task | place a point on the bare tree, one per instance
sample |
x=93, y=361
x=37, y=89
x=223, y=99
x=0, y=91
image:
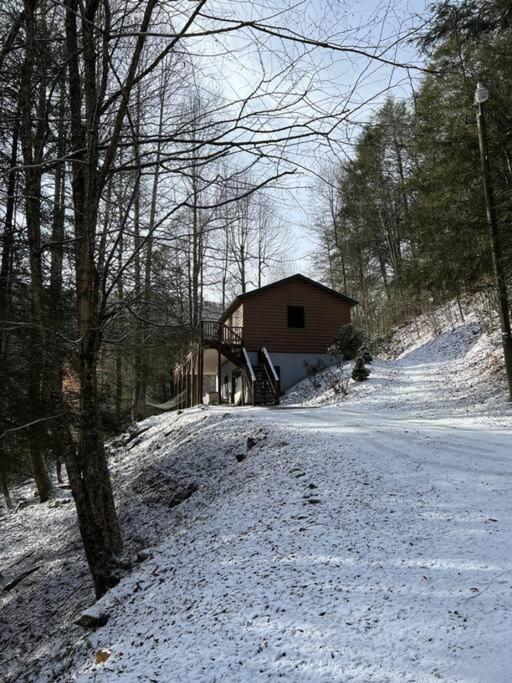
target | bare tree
x=205, y=166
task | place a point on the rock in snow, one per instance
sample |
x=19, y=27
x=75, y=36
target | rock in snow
x=92, y=617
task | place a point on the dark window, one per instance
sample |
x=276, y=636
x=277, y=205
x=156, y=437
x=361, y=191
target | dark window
x=296, y=316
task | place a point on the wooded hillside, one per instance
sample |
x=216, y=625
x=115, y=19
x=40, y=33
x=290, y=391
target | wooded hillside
x=402, y=223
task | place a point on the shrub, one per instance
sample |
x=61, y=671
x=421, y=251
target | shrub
x=382, y=343
x=337, y=357
x=359, y=372
x=366, y=355
x=313, y=370
x=347, y=342
x=336, y=382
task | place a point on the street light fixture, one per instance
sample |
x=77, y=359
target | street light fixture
x=481, y=96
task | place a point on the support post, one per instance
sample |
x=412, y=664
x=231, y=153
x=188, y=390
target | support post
x=201, y=375
x=187, y=384
x=496, y=248
x=219, y=375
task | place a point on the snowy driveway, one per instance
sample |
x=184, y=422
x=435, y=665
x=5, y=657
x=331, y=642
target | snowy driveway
x=369, y=541
x=431, y=538
x=350, y=545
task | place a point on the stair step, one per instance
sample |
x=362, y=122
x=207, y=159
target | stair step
x=264, y=391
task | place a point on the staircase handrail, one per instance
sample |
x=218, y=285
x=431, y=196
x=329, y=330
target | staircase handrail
x=272, y=374
x=270, y=364
x=251, y=377
x=248, y=364
x=234, y=334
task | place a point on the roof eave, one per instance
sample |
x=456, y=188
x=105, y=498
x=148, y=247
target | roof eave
x=238, y=300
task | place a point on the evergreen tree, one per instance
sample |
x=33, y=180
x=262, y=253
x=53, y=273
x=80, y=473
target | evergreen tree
x=359, y=371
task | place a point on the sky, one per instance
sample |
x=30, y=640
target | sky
x=299, y=206
x=336, y=81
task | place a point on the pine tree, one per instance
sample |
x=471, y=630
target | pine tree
x=359, y=371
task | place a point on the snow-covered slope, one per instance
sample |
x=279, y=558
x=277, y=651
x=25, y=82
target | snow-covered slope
x=442, y=363
x=365, y=541
x=170, y=455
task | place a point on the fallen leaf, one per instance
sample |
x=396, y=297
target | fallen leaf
x=102, y=655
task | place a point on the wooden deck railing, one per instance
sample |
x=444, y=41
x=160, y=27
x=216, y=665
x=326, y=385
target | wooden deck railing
x=217, y=331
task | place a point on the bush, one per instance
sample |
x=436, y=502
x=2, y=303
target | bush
x=366, y=355
x=337, y=357
x=383, y=343
x=319, y=373
x=336, y=382
x=313, y=370
x=347, y=342
x=359, y=372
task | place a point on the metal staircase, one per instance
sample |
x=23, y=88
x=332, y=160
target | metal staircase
x=264, y=391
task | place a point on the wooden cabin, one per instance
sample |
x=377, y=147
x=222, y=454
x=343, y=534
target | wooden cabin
x=262, y=342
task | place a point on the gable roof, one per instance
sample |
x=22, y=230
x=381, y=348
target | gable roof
x=302, y=278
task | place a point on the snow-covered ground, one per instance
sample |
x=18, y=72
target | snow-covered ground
x=458, y=370
x=359, y=539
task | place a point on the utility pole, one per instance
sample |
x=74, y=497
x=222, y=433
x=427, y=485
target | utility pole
x=481, y=96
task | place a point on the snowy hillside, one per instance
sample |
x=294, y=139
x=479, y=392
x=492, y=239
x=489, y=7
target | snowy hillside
x=365, y=541
x=436, y=360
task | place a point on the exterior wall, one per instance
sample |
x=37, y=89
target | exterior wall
x=253, y=357
x=266, y=324
x=227, y=369
x=237, y=317
x=291, y=366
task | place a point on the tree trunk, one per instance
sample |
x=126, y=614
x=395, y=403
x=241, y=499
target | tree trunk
x=4, y=483
x=5, y=296
x=87, y=469
x=31, y=147
x=141, y=376
x=44, y=484
x=53, y=386
x=139, y=388
x=119, y=357
x=243, y=284
x=119, y=386
x=8, y=236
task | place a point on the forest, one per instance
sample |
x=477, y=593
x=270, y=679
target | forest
x=401, y=223
x=141, y=189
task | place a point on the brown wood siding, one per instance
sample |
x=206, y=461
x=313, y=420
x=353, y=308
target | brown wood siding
x=266, y=321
